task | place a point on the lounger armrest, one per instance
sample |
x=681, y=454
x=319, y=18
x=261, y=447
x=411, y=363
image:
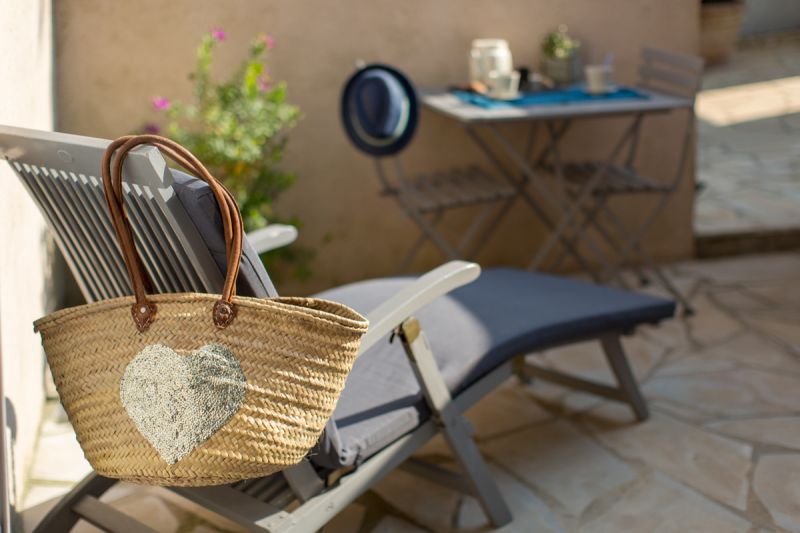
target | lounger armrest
x=423, y=291
x=272, y=237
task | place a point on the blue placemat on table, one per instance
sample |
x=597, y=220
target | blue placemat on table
x=558, y=96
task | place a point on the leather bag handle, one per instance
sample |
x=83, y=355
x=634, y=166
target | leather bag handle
x=144, y=311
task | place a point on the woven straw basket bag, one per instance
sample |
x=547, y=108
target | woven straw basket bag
x=196, y=389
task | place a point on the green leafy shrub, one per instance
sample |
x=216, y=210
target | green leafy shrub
x=559, y=44
x=238, y=128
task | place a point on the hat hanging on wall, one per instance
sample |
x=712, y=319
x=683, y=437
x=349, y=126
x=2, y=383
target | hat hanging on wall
x=379, y=110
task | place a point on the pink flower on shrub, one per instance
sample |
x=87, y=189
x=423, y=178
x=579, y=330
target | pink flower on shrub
x=152, y=128
x=264, y=83
x=160, y=103
x=268, y=41
x=218, y=34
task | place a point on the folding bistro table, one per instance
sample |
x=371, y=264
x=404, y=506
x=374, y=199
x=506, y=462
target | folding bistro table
x=576, y=206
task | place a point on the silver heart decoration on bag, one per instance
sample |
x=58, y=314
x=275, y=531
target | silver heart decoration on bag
x=179, y=401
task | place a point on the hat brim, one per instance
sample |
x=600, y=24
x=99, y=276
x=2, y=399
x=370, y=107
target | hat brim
x=406, y=125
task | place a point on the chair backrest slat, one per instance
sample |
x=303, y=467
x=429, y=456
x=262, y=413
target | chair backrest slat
x=61, y=173
x=668, y=77
x=672, y=73
x=144, y=200
x=178, y=261
x=50, y=181
x=188, y=276
x=34, y=179
x=147, y=242
x=686, y=62
x=88, y=188
x=152, y=173
x=92, y=238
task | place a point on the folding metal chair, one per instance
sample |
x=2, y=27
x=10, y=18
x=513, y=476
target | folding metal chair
x=379, y=112
x=591, y=184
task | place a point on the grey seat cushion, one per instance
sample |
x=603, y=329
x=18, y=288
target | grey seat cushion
x=201, y=206
x=472, y=330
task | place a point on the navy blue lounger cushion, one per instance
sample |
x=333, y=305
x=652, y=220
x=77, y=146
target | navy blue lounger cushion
x=473, y=330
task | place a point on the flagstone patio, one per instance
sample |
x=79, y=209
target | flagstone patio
x=721, y=451
x=749, y=147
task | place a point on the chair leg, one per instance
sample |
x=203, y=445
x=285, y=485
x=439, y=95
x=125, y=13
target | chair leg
x=455, y=428
x=687, y=309
x=617, y=360
x=518, y=367
x=520, y=184
x=570, y=214
x=590, y=213
x=478, y=475
x=614, y=245
x=429, y=229
x=422, y=239
x=489, y=228
x=636, y=246
x=62, y=518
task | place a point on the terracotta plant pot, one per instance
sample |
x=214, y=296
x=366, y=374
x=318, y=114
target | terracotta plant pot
x=719, y=30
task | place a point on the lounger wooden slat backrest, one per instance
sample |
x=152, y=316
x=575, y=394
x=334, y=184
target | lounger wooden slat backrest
x=63, y=181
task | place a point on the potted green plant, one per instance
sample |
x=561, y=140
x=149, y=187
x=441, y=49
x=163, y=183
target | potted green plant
x=561, y=59
x=720, y=22
x=238, y=128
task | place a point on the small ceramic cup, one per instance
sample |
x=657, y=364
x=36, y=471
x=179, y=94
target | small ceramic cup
x=599, y=78
x=503, y=85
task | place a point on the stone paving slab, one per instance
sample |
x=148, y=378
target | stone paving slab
x=748, y=156
x=777, y=484
x=712, y=465
x=781, y=430
x=660, y=504
x=561, y=463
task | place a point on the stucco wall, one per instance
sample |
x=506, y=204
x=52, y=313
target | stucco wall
x=25, y=292
x=112, y=56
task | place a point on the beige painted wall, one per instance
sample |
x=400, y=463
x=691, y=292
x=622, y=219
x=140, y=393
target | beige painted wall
x=112, y=56
x=25, y=292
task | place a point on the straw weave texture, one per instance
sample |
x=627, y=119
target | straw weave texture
x=295, y=353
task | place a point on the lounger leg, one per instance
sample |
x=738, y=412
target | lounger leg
x=62, y=518
x=303, y=480
x=452, y=424
x=618, y=362
x=518, y=367
x=479, y=476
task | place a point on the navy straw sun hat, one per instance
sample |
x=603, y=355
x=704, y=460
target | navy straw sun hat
x=379, y=110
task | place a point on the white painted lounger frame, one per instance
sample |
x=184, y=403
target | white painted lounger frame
x=60, y=170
